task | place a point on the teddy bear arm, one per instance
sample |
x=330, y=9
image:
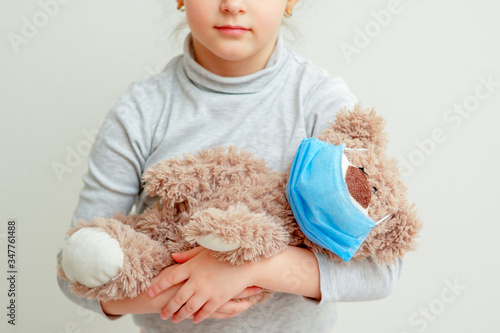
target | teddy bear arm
x=106, y=259
x=237, y=235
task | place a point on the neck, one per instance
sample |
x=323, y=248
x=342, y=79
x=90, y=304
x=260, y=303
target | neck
x=232, y=68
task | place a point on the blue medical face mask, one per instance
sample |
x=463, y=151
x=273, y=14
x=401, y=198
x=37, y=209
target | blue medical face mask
x=320, y=200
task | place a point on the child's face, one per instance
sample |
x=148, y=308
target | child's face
x=235, y=30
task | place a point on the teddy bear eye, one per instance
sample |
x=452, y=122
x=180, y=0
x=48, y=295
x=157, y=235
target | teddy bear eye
x=363, y=170
x=374, y=191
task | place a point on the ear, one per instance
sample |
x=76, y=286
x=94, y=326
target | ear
x=360, y=127
x=291, y=4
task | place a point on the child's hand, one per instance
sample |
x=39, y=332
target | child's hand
x=209, y=284
x=231, y=308
x=143, y=303
x=235, y=308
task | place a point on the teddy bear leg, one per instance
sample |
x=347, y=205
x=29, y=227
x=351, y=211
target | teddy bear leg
x=106, y=259
x=237, y=235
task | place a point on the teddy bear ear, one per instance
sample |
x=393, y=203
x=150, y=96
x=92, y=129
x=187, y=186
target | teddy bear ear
x=398, y=235
x=154, y=179
x=360, y=128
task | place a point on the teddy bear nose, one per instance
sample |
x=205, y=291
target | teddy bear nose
x=358, y=186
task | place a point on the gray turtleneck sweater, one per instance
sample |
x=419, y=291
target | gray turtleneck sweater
x=186, y=108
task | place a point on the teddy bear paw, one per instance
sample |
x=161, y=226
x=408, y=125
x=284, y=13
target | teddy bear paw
x=91, y=257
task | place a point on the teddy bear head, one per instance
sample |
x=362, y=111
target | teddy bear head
x=374, y=182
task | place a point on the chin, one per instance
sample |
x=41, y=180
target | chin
x=234, y=56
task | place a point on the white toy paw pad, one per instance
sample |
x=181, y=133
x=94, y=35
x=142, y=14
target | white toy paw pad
x=217, y=243
x=91, y=257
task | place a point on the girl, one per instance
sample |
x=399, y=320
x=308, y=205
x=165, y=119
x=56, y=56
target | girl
x=235, y=84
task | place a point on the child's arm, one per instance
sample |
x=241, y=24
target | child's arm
x=210, y=283
x=295, y=270
x=143, y=304
x=314, y=275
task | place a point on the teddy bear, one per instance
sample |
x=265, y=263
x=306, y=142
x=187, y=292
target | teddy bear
x=229, y=201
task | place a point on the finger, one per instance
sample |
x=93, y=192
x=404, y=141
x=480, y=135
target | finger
x=170, y=279
x=182, y=257
x=233, y=308
x=163, y=273
x=249, y=291
x=221, y=315
x=209, y=308
x=181, y=297
x=192, y=305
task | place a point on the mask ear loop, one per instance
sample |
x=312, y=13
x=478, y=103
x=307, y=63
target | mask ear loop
x=359, y=149
x=355, y=149
x=385, y=218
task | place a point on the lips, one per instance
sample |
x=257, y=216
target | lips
x=232, y=29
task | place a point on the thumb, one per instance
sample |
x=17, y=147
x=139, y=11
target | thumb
x=181, y=257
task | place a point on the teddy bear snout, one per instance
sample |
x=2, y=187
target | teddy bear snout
x=358, y=186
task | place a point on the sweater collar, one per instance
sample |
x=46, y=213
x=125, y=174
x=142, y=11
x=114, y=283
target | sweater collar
x=247, y=84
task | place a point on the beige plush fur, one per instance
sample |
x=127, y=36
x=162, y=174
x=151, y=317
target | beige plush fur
x=229, y=193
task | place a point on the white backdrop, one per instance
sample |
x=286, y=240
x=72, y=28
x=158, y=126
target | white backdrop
x=430, y=67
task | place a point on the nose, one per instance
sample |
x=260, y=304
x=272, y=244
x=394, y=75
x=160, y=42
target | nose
x=233, y=6
x=358, y=186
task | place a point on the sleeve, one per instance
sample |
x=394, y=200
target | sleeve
x=115, y=166
x=326, y=97
x=363, y=280
x=359, y=280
